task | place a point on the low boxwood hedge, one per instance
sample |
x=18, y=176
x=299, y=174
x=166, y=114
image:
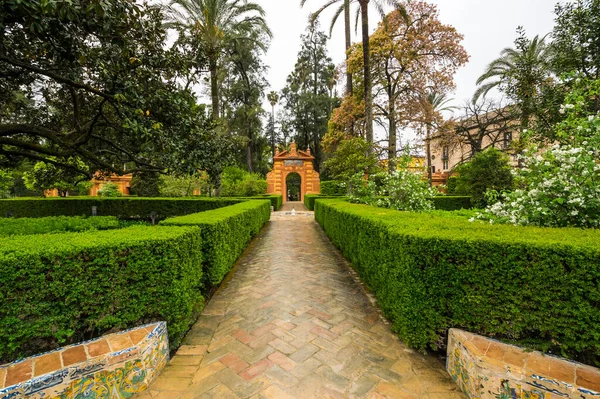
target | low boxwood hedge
x=123, y=207
x=309, y=199
x=276, y=199
x=55, y=224
x=226, y=233
x=538, y=287
x=59, y=289
x=452, y=203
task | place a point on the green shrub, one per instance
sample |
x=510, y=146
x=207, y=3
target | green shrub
x=333, y=187
x=55, y=224
x=236, y=182
x=123, y=208
x=452, y=203
x=109, y=190
x=309, y=199
x=225, y=233
x=58, y=289
x=538, y=287
x=488, y=170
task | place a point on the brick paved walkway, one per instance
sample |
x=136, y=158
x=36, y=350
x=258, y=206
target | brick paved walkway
x=297, y=205
x=293, y=323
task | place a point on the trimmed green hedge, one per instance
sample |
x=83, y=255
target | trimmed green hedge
x=333, y=188
x=55, y=224
x=309, y=199
x=276, y=199
x=123, y=207
x=59, y=289
x=538, y=287
x=226, y=232
x=452, y=203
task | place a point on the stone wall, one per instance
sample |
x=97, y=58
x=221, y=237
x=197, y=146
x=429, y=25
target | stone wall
x=488, y=369
x=113, y=366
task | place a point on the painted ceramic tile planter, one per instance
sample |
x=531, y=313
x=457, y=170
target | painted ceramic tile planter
x=113, y=366
x=487, y=369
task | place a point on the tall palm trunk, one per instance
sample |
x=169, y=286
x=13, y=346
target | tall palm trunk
x=392, y=126
x=348, y=44
x=214, y=87
x=364, y=10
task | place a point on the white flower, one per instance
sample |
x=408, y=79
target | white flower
x=569, y=106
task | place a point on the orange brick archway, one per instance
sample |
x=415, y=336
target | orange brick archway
x=293, y=161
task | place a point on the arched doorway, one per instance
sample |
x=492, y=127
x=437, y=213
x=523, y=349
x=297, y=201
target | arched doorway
x=297, y=162
x=293, y=184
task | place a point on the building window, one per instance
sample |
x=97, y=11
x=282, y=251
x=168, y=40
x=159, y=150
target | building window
x=507, y=139
x=446, y=164
x=445, y=152
x=432, y=168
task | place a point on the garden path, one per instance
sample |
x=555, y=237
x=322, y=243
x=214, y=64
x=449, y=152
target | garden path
x=291, y=321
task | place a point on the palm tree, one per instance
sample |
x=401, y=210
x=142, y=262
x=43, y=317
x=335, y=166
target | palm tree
x=433, y=104
x=363, y=12
x=214, y=23
x=273, y=98
x=523, y=69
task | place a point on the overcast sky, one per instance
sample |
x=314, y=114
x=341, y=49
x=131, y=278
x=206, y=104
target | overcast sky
x=488, y=26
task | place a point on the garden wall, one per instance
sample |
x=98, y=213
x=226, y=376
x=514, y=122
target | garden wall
x=116, y=366
x=488, y=369
x=536, y=286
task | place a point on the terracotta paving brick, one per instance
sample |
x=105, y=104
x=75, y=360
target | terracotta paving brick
x=292, y=322
x=234, y=362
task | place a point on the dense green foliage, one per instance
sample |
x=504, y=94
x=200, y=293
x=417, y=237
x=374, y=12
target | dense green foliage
x=236, y=182
x=123, y=207
x=276, y=199
x=59, y=289
x=100, y=81
x=55, y=224
x=488, y=170
x=451, y=202
x=225, y=233
x=109, y=190
x=333, y=187
x=309, y=199
x=534, y=286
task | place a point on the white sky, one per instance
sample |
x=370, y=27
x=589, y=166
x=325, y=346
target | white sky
x=488, y=27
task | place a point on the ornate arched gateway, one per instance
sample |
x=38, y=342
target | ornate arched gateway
x=293, y=161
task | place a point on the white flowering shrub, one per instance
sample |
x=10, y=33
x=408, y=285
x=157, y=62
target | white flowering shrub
x=561, y=186
x=407, y=191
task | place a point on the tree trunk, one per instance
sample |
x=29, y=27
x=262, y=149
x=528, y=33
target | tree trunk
x=364, y=7
x=348, y=44
x=392, y=138
x=214, y=87
x=428, y=154
x=273, y=132
x=249, y=156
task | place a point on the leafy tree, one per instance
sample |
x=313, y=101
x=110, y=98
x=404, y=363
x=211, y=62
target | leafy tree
x=217, y=23
x=352, y=156
x=364, y=17
x=97, y=81
x=183, y=186
x=409, y=60
x=488, y=170
x=244, y=86
x=237, y=182
x=7, y=182
x=109, y=190
x=521, y=73
x=308, y=96
x=145, y=184
x=47, y=176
